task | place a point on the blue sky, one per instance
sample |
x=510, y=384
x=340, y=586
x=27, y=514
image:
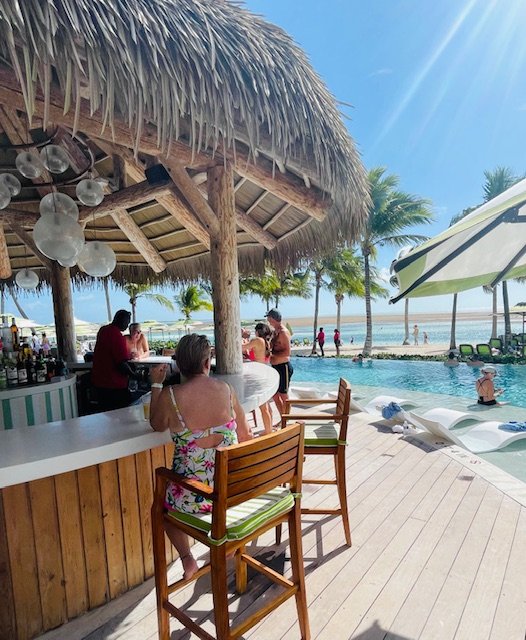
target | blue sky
x=438, y=95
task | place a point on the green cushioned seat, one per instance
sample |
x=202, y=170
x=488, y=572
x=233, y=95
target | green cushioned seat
x=321, y=434
x=243, y=519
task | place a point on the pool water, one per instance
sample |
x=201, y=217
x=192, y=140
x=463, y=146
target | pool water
x=413, y=375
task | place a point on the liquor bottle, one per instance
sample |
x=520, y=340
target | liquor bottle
x=12, y=373
x=41, y=371
x=21, y=371
x=15, y=336
x=3, y=375
x=31, y=370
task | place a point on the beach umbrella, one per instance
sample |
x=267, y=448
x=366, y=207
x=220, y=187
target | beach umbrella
x=483, y=249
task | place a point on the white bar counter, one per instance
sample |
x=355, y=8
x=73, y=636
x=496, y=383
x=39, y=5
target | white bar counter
x=75, y=498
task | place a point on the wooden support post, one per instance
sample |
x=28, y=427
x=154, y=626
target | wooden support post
x=63, y=310
x=224, y=271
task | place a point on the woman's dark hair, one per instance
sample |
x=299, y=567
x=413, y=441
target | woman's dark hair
x=191, y=354
x=264, y=331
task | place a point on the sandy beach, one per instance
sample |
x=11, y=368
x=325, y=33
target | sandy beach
x=350, y=350
x=418, y=318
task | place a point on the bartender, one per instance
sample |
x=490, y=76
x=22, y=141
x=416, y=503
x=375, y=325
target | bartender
x=111, y=370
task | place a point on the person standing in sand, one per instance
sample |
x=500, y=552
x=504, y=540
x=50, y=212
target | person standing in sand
x=426, y=338
x=320, y=339
x=337, y=341
x=280, y=357
x=416, y=331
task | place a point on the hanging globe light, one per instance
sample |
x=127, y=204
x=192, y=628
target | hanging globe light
x=5, y=196
x=29, y=165
x=97, y=259
x=68, y=263
x=58, y=236
x=11, y=182
x=59, y=203
x=54, y=158
x=90, y=192
x=26, y=279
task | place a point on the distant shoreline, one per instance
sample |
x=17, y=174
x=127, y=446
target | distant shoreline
x=414, y=318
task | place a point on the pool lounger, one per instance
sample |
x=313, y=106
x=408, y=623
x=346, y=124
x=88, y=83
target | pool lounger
x=449, y=418
x=484, y=437
x=374, y=407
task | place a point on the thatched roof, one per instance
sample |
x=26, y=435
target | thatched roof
x=195, y=82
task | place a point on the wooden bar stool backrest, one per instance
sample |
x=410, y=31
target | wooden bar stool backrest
x=343, y=404
x=252, y=468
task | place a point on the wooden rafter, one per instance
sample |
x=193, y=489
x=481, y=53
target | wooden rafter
x=288, y=187
x=28, y=241
x=277, y=216
x=5, y=264
x=126, y=198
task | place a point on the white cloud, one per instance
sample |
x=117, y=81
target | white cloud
x=384, y=71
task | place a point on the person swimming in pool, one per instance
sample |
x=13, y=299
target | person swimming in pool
x=485, y=387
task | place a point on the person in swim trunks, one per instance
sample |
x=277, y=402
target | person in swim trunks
x=280, y=357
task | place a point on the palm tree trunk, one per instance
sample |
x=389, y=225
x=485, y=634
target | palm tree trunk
x=368, y=314
x=107, y=296
x=406, y=322
x=17, y=304
x=339, y=300
x=133, y=302
x=507, y=318
x=452, y=339
x=316, y=309
x=494, y=314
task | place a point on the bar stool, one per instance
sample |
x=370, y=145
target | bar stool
x=247, y=499
x=326, y=435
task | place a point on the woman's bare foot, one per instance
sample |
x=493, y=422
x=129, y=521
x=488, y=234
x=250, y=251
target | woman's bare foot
x=189, y=566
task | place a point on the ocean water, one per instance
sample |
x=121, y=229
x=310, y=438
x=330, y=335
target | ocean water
x=385, y=334
x=413, y=375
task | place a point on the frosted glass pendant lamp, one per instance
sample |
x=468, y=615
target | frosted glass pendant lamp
x=11, y=182
x=29, y=165
x=58, y=236
x=54, y=158
x=97, y=259
x=26, y=279
x=5, y=196
x=90, y=192
x=59, y=203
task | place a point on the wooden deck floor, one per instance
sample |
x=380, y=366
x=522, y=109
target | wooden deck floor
x=438, y=553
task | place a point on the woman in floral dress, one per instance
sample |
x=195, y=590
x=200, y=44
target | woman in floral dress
x=201, y=414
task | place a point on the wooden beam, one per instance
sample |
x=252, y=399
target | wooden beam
x=184, y=215
x=28, y=241
x=5, y=264
x=172, y=201
x=276, y=216
x=288, y=187
x=249, y=225
x=126, y=198
x=224, y=271
x=63, y=311
x=192, y=195
x=133, y=232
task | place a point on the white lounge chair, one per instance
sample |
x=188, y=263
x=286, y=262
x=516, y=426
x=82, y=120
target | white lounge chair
x=449, y=418
x=304, y=392
x=484, y=437
x=374, y=407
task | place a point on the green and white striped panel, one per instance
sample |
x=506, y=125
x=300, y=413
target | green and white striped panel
x=46, y=404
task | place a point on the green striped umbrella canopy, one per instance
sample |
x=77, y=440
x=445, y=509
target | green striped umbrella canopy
x=484, y=248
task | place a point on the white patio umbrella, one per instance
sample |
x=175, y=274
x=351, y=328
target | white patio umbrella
x=484, y=248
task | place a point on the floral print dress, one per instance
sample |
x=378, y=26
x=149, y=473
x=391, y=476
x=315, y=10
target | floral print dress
x=193, y=461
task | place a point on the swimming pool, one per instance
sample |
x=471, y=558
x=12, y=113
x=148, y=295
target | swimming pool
x=413, y=375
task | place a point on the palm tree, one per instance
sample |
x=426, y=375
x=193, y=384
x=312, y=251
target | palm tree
x=391, y=213
x=107, y=297
x=495, y=182
x=190, y=299
x=272, y=287
x=136, y=291
x=453, y=338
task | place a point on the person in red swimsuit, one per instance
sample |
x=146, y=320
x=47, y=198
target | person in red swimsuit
x=258, y=350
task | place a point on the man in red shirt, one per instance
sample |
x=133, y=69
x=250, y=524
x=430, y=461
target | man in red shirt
x=111, y=370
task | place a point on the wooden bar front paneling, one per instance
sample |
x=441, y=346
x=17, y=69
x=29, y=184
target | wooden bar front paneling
x=113, y=532
x=71, y=542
